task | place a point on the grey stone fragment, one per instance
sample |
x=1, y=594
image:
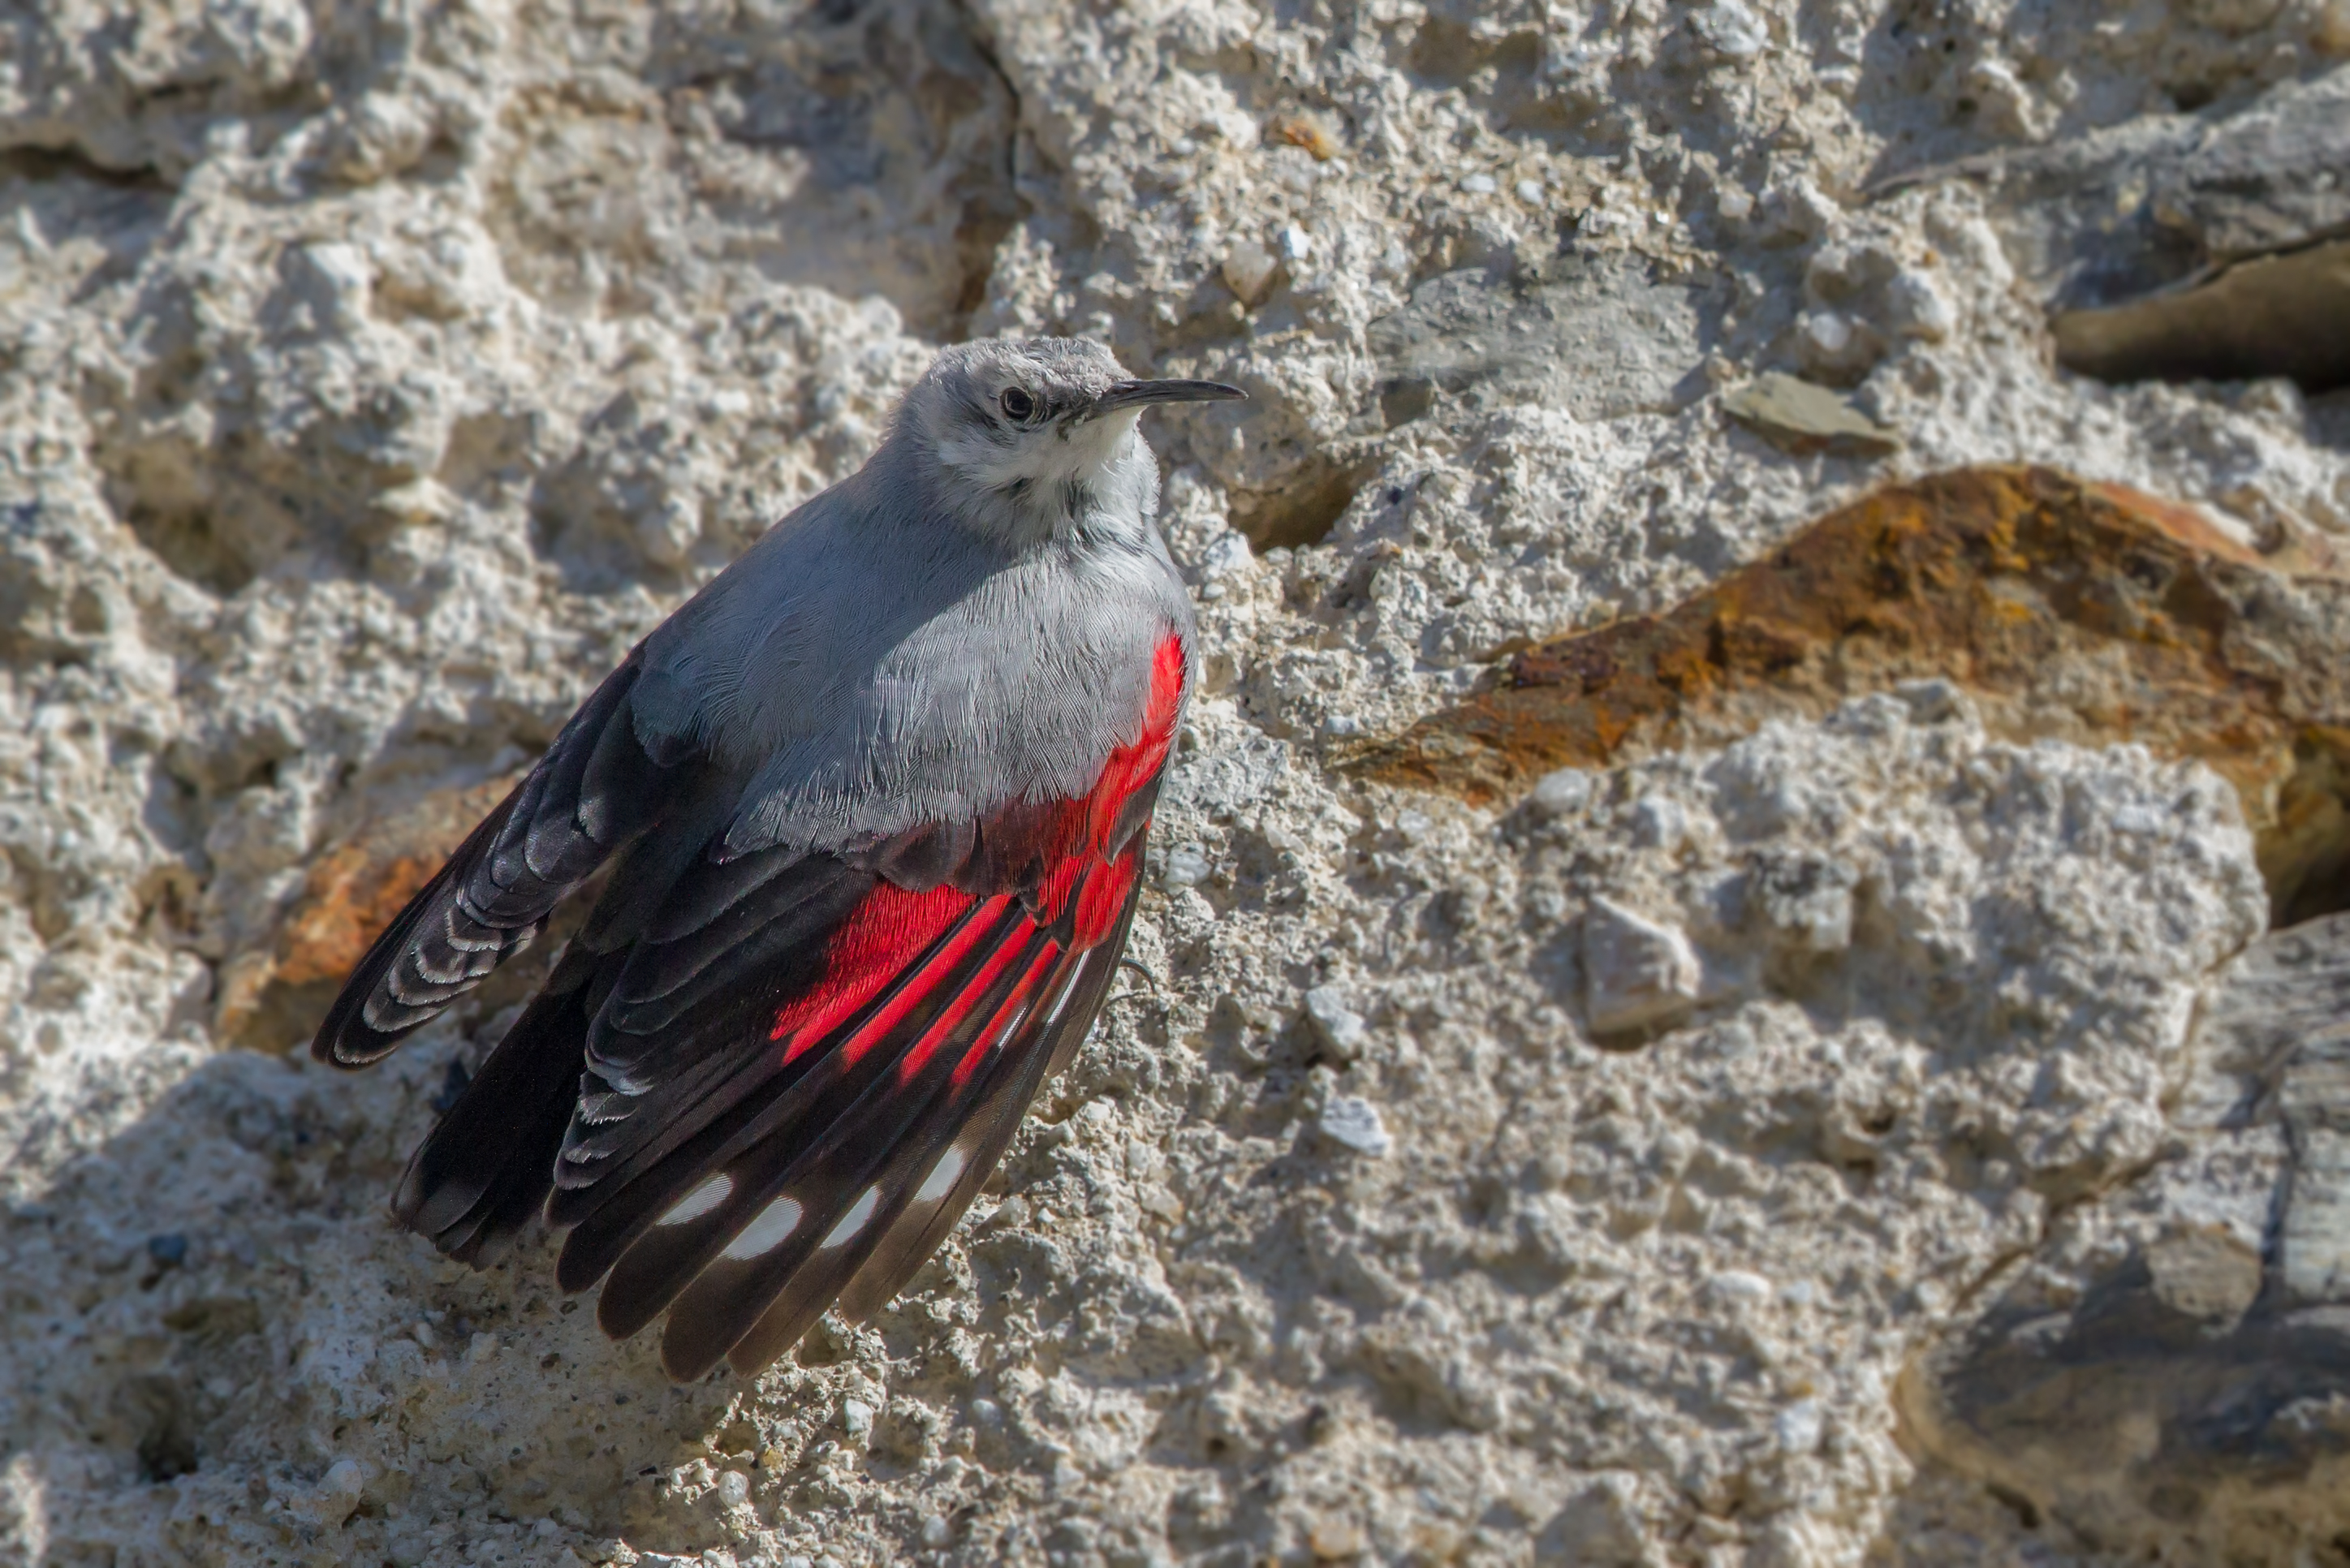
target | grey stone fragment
x=2204, y=1274
x=1796, y=414
x=1806, y=897
x=2283, y=988
x=2275, y=175
x=1636, y=971
x=2316, y=1240
x=1563, y=791
x=1596, y=335
x=1340, y=1027
x=1356, y=1124
x=1599, y=1525
x=2313, y=1098
x=2283, y=1020
x=2186, y=1384
x=2180, y=246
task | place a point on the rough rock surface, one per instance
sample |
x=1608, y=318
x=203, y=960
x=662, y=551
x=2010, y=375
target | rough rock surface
x=2177, y=1349
x=1647, y=1164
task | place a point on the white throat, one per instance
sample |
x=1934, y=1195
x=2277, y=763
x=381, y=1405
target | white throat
x=1088, y=476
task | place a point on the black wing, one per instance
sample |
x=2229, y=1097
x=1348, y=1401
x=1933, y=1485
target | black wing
x=594, y=790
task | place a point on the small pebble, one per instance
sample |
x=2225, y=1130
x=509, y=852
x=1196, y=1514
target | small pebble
x=1230, y=554
x=1530, y=191
x=343, y=1479
x=856, y=1416
x=733, y=1488
x=1732, y=29
x=936, y=1531
x=1659, y=822
x=1479, y=184
x=1737, y=1285
x=1799, y=1426
x=1248, y=269
x=1636, y=971
x=1919, y=307
x=1341, y=1028
x=1564, y=793
x=1186, y=867
x=1827, y=331
x=1296, y=244
x=168, y=1250
x=1356, y=1124
x=1335, y=1537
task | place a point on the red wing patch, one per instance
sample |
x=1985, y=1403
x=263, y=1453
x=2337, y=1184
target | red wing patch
x=833, y=1144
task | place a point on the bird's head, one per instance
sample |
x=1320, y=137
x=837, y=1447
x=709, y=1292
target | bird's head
x=1027, y=437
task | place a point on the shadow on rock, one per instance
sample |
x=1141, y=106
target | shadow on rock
x=217, y=1342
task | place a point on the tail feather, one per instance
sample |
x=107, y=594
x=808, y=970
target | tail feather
x=489, y=1165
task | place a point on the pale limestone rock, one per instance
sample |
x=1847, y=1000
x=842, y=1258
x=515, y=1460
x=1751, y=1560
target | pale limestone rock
x=374, y=376
x=1636, y=973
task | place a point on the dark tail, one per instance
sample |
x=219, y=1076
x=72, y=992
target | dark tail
x=488, y=1166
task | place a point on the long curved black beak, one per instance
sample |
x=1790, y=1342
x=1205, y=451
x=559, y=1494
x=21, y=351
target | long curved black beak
x=1133, y=394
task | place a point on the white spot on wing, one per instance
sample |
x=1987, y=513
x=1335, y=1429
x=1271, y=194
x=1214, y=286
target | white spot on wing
x=700, y=1201
x=854, y=1220
x=941, y=1179
x=776, y=1222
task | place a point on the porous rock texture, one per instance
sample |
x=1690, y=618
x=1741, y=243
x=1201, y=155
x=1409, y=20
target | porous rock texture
x=1750, y=1148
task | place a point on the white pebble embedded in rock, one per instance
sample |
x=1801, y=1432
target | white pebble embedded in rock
x=1186, y=867
x=1342, y=1029
x=1562, y=793
x=1356, y=1124
x=1248, y=268
x=1636, y=971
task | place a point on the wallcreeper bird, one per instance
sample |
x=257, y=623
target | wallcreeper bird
x=878, y=796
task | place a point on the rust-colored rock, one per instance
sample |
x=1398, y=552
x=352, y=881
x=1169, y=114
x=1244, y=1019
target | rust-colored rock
x=2066, y=608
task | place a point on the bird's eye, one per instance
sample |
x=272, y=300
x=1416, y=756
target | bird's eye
x=1017, y=404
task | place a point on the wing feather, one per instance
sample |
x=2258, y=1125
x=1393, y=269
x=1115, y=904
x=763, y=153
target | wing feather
x=595, y=788
x=819, y=1094
x=935, y=1196
x=835, y=1183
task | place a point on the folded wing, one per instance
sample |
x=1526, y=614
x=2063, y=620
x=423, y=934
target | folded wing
x=760, y=1083
x=596, y=789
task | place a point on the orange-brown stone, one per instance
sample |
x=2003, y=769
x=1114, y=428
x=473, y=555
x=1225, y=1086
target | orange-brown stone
x=2066, y=608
